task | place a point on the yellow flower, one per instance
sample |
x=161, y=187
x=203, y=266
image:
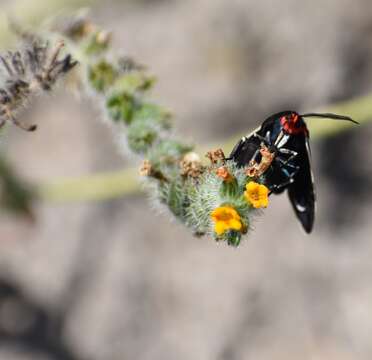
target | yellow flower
x=257, y=194
x=226, y=218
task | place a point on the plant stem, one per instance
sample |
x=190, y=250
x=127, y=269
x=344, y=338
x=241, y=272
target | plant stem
x=95, y=187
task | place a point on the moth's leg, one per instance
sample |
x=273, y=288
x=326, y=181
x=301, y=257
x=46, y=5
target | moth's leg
x=289, y=181
x=285, y=162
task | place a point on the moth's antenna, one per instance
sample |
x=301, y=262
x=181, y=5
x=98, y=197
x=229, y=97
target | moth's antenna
x=330, y=116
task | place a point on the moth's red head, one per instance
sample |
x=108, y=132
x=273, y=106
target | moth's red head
x=293, y=124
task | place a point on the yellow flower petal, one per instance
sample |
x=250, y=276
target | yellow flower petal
x=256, y=194
x=219, y=228
x=265, y=202
x=235, y=224
x=256, y=204
x=252, y=187
x=226, y=218
x=263, y=191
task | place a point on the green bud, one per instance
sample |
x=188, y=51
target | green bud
x=155, y=113
x=134, y=82
x=141, y=136
x=121, y=107
x=233, y=237
x=102, y=75
x=98, y=43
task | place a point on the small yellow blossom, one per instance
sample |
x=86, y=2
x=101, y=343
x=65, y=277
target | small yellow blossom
x=226, y=218
x=257, y=194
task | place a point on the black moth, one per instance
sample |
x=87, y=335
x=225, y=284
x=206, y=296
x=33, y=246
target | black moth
x=285, y=138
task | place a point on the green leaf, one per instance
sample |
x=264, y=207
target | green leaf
x=133, y=82
x=121, y=107
x=141, y=136
x=97, y=43
x=155, y=113
x=233, y=238
x=102, y=75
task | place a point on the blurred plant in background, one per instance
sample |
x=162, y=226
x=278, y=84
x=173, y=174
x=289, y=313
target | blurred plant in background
x=35, y=68
x=15, y=195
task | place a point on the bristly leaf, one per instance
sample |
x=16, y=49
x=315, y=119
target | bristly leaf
x=121, y=107
x=102, y=75
x=155, y=113
x=141, y=135
x=134, y=82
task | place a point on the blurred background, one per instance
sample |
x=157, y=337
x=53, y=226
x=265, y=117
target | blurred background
x=116, y=279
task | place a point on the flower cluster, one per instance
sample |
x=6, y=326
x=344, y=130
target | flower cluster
x=227, y=218
x=223, y=201
x=227, y=221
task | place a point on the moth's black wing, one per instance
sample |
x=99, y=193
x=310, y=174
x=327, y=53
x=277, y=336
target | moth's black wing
x=245, y=149
x=301, y=192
